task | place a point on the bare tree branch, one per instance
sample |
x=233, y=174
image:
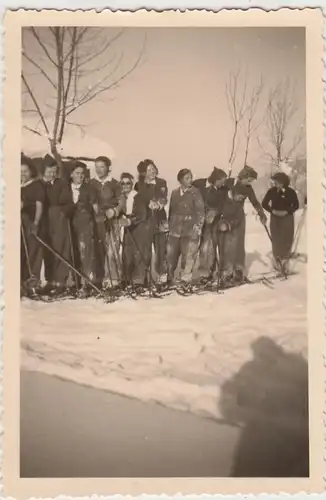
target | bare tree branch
x=42, y=45
x=34, y=63
x=282, y=108
x=37, y=107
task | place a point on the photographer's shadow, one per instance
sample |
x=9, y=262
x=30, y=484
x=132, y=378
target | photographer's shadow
x=268, y=397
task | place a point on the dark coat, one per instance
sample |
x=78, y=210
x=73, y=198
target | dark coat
x=187, y=210
x=158, y=192
x=31, y=194
x=106, y=195
x=213, y=197
x=249, y=194
x=59, y=207
x=281, y=199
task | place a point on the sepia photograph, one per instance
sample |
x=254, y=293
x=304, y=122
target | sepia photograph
x=163, y=314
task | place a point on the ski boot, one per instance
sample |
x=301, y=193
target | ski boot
x=238, y=277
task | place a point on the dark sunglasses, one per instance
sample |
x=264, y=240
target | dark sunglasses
x=126, y=183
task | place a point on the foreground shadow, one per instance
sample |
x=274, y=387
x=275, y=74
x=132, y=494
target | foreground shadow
x=268, y=397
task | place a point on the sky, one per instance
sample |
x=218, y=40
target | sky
x=173, y=107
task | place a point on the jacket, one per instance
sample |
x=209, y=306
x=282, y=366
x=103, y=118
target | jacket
x=187, y=212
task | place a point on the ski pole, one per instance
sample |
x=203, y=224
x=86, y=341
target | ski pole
x=56, y=254
x=72, y=252
x=29, y=268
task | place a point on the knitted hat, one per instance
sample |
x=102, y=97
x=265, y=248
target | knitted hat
x=247, y=173
x=282, y=178
x=217, y=175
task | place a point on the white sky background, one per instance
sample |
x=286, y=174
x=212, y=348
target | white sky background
x=173, y=107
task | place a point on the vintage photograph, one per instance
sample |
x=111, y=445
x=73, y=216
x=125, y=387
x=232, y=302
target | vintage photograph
x=163, y=252
x=168, y=314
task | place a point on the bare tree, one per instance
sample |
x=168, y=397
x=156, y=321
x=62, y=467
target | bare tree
x=282, y=114
x=76, y=65
x=251, y=123
x=236, y=93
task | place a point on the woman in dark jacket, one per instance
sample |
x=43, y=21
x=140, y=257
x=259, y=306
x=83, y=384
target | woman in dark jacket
x=58, y=208
x=137, y=243
x=32, y=204
x=281, y=202
x=83, y=225
x=155, y=190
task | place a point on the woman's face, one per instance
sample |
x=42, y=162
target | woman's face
x=247, y=182
x=50, y=173
x=186, y=182
x=78, y=175
x=101, y=169
x=150, y=173
x=25, y=174
x=219, y=183
x=278, y=185
x=126, y=185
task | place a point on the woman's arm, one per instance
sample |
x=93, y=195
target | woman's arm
x=199, y=209
x=293, y=202
x=266, y=203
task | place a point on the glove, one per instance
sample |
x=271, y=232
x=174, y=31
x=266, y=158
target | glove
x=263, y=219
x=110, y=213
x=224, y=226
x=34, y=229
x=164, y=227
x=196, y=231
x=153, y=205
x=125, y=222
x=210, y=216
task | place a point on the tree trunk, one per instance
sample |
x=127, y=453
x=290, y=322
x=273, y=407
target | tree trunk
x=57, y=157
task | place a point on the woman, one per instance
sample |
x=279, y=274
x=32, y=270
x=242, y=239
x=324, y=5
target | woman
x=58, y=208
x=186, y=219
x=32, y=204
x=155, y=190
x=227, y=228
x=281, y=202
x=246, y=177
x=106, y=192
x=137, y=241
x=83, y=226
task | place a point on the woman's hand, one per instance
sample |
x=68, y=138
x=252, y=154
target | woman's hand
x=125, y=222
x=34, y=228
x=210, y=216
x=153, y=205
x=110, y=213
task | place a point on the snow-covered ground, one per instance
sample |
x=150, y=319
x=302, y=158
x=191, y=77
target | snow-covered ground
x=176, y=351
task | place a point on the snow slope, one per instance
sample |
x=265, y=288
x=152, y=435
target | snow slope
x=176, y=351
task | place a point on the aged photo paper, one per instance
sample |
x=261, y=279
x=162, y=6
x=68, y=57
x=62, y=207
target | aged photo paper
x=163, y=278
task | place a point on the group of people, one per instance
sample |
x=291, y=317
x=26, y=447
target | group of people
x=108, y=229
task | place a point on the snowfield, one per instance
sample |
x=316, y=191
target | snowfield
x=175, y=351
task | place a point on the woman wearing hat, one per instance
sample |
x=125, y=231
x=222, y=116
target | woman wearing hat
x=32, y=205
x=186, y=219
x=83, y=225
x=243, y=185
x=281, y=202
x=155, y=190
